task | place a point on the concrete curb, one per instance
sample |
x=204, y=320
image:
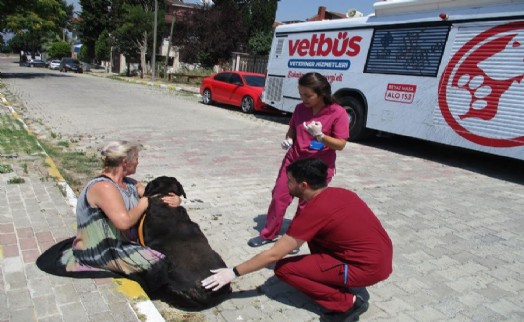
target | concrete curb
x=160, y=84
x=130, y=289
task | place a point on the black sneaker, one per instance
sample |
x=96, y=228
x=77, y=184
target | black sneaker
x=360, y=291
x=351, y=315
x=259, y=241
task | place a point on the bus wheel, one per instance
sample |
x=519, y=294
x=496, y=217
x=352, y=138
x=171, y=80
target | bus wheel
x=206, y=97
x=248, y=105
x=357, y=118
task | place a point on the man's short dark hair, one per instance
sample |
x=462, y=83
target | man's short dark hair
x=312, y=171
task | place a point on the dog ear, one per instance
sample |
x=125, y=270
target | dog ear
x=178, y=188
x=157, y=185
x=150, y=187
x=181, y=190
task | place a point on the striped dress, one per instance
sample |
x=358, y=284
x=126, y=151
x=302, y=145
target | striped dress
x=99, y=245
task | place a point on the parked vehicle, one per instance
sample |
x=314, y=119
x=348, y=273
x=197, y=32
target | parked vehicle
x=70, y=64
x=34, y=63
x=242, y=89
x=54, y=64
x=85, y=67
x=447, y=71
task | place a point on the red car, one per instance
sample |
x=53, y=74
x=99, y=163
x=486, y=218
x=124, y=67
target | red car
x=241, y=89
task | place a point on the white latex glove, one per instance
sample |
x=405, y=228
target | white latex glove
x=221, y=277
x=287, y=143
x=314, y=128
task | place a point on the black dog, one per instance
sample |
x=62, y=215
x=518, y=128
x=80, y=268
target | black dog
x=170, y=231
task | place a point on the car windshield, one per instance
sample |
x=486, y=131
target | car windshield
x=256, y=81
x=71, y=61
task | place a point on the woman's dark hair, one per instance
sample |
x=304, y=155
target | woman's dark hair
x=319, y=84
x=313, y=171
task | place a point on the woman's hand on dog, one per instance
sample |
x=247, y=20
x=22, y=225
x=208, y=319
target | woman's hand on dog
x=221, y=277
x=172, y=200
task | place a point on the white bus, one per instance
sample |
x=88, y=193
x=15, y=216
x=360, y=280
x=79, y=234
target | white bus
x=448, y=71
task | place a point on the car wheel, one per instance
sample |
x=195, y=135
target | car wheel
x=357, y=118
x=248, y=105
x=206, y=97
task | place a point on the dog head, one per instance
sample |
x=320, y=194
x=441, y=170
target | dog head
x=164, y=185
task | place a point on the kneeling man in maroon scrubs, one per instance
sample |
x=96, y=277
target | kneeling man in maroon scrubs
x=349, y=247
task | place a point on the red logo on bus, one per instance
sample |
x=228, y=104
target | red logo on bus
x=480, y=92
x=322, y=45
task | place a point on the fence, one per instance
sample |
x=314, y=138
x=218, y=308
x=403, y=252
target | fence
x=249, y=63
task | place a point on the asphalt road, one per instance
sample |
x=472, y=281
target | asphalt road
x=455, y=216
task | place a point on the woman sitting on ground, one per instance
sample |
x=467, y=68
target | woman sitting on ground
x=108, y=210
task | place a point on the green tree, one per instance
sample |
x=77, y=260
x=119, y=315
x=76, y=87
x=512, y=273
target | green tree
x=260, y=17
x=263, y=13
x=19, y=42
x=225, y=27
x=12, y=7
x=96, y=16
x=260, y=42
x=129, y=22
x=134, y=36
x=60, y=49
x=103, y=47
x=34, y=22
x=217, y=33
x=83, y=54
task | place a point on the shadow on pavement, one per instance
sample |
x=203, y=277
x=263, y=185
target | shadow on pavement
x=260, y=221
x=503, y=168
x=281, y=292
x=34, y=75
x=275, y=116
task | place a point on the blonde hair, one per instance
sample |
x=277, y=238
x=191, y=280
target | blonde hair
x=114, y=152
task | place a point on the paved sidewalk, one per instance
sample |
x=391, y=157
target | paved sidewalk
x=34, y=215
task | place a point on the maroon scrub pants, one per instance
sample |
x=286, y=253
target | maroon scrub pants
x=319, y=276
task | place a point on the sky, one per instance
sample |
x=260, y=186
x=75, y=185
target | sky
x=303, y=9
x=75, y=3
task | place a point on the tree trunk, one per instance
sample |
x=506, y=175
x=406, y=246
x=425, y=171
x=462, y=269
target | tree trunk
x=143, y=51
x=170, y=43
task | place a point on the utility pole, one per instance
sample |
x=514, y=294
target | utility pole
x=153, y=58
